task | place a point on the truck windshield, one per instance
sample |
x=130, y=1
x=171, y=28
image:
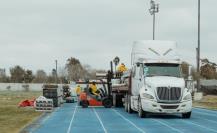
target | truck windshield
x=160, y=69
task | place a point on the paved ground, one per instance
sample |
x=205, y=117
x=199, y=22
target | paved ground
x=72, y=119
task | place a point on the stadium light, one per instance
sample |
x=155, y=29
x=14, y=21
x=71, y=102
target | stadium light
x=153, y=10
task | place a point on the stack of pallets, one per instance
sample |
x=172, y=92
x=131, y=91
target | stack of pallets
x=43, y=104
x=53, y=92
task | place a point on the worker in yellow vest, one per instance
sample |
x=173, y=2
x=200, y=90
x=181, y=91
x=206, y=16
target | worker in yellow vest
x=122, y=68
x=93, y=89
x=78, y=90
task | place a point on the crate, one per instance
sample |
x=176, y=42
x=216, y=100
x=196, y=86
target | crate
x=43, y=104
x=54, y=92
x=57, y=101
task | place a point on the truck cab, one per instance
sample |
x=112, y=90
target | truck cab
x=157, y=84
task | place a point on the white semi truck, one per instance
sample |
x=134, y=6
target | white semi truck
x=155, y=83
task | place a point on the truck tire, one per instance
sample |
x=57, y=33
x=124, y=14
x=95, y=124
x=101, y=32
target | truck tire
x=84, y=104
x=117, y=100
x=107, y=102
x=141, y=113
x=186, y=115
x=129, y=110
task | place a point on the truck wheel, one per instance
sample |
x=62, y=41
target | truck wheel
x=84, y=104
x=120, y=102
x=141, y=113
x=107, y=102
x=117, y=100
x=129, y=110
x=186, y=115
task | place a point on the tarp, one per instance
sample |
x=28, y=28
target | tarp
x=27, y=103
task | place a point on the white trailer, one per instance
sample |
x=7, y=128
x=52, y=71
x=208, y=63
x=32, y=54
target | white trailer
x=155, y=81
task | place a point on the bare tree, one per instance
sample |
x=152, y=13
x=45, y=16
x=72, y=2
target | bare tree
x=208, y=69
x=3, y=77
x=40, y=76
x=74, y=69
x=17, y=74
x=89, y=73
x=62, y=75
x=28, y=76
x=52, y=77
x=62, y=72
x=185, y=66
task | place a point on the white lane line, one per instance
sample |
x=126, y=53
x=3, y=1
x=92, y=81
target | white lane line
x=100, y=120
x=204, y=113
x=200, y=126
x=73, y=116
x=205, y=110
x=163, y=123
x=128, y=121
x=206, y=119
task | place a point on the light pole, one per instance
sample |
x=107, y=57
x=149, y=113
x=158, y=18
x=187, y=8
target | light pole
x=198, y=49
x=56, y=71
x=154, y=9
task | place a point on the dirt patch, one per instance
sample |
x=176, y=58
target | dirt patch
x=208, y=101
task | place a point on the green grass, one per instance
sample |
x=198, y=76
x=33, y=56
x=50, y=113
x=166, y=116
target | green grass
x=209, y=102
x=12, y=118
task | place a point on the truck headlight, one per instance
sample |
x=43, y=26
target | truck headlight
x=147, y=96
x=187, y=97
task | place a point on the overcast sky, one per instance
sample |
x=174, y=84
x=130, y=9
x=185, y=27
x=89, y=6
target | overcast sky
x=33, y=33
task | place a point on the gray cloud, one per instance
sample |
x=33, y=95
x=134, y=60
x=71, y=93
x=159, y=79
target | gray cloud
x=35, y=33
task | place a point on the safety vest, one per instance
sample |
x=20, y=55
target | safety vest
x=78, y=90
x=122, y=68
x=94, y=89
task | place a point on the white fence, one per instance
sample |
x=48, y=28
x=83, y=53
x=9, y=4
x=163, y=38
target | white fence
x=25, y=86
x=20, y=87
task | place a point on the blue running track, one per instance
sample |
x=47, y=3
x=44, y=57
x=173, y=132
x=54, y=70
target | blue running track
x=73, y=119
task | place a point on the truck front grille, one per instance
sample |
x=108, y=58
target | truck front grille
x=169, y=106
x=169, y=93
